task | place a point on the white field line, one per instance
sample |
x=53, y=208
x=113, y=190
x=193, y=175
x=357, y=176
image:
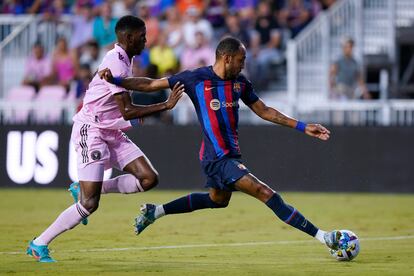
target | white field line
x=183, y=246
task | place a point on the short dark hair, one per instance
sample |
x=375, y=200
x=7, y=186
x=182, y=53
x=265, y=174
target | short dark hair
x=347, y=40
x=129, y=23
x=228, y=46
x=37, y=43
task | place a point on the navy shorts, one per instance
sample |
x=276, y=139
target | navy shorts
x=223, y=173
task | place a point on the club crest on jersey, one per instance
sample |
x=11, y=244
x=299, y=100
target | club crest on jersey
x=215, y=104
x=96, y=155
x=237, y=87
x=242, y=167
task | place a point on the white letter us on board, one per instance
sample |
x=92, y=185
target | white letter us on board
x=30, y=156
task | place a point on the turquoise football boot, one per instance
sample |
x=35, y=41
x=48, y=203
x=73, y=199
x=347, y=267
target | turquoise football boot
x=74, y=190
x=40, y=253
x=146, y=218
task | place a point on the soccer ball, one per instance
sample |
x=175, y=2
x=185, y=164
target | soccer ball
x=348, y=247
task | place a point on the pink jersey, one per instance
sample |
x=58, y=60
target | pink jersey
x=99, y=106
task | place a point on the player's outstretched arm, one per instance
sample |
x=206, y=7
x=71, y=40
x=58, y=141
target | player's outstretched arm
x=135, y=83
x=130, y=111
x=272, y=115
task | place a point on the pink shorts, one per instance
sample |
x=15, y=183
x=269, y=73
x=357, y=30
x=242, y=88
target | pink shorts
x=100, y=149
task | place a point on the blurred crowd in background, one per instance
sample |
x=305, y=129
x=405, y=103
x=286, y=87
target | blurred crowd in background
x=181, y=35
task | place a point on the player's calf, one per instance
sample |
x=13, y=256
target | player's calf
x=144, y=172
x=185, y=204
x=290, y=215
x=74, y=190
x=123, y=184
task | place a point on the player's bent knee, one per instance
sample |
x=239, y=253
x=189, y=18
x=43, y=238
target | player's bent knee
x=223, y=204
x=149, y=181
x=264, y=193
x=220, y=204
x=217, y=202
x=91, y=205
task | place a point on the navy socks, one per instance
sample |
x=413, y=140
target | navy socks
x=290, y=215
x=285, y=212
x=191, y=202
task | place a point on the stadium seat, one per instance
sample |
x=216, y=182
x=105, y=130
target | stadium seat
x=19, y=98
x=49, y=104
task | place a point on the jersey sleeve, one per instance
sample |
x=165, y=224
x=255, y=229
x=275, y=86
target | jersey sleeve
x=184, y=78
x=248, y=95
x=118, y=68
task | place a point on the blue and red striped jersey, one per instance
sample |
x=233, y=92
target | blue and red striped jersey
x=216, y=102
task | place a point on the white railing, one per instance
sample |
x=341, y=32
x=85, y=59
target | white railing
x=371, y=23
x=404, y=13
x=9, y=110
x=378, y=25
x=349, y=113
x=21, y=33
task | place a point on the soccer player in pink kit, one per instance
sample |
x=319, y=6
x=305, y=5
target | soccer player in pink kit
x=100, y=142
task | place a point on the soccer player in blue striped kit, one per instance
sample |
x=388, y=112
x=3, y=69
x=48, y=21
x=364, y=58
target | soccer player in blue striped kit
x=215, y=92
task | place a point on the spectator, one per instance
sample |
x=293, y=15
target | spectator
x=139, y=69
x=17, y=7
x=38, y=68
x=294, y=16
x=238, y=5
x=141, y=63
x=265, y=22
x=63, y=64
x=54, y=10
x=215, y=12
x=233, y=28
x=326, y=4
x=201, y=55
x=246, y=11
x=163, y=57
x=123, y=7
x=158, y=7
x=195, y=23
x=262, y=61
x=151, y=23
x=104, y=27
x=83, y=79
x=172, y=27
x=346, y=76
x=253, y=69
x=91, y=56
x=82, y=26
x=184, y=5
x=315, y=7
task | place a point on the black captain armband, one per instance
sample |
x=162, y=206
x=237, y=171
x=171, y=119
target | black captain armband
x=301, y=126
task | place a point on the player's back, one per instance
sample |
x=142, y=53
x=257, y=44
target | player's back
x=99, y=106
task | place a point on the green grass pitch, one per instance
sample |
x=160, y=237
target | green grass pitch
x=243, y=239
